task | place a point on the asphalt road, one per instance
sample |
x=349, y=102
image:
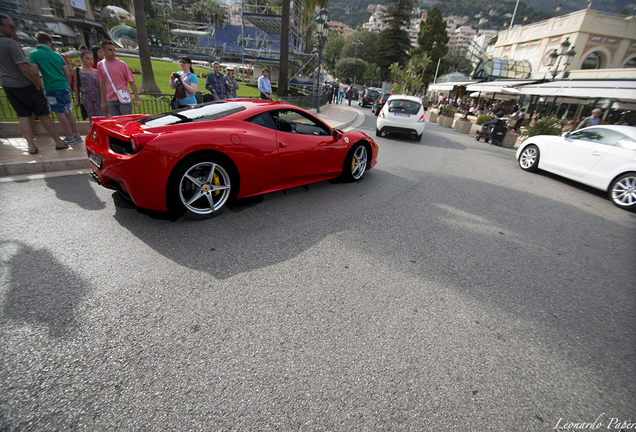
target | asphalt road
x=447, y=290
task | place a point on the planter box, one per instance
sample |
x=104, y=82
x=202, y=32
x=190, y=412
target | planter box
x=431, y=116
x=474, y=129
x=445, y=121
x=510, y=139
x=462, y=126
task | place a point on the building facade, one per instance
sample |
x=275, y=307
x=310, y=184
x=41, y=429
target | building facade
x=605, y=45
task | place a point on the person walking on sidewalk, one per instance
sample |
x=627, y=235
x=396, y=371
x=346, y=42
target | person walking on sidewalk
x=22, y=86
x=56, y=77
x=114, y=76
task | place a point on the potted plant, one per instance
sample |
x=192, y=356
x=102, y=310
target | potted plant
x=462, y=124
x=446, y=117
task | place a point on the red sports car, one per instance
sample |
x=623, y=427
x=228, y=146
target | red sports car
x=198, y=158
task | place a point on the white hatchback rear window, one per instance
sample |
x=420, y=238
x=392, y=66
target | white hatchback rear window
x=404, y=106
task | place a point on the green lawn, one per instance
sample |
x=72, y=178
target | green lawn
x=162, y=71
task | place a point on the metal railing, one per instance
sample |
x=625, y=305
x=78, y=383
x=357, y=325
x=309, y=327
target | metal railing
x=157, y=103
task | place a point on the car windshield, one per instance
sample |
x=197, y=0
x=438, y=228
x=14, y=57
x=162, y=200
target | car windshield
x=196, y=113
x=404, y=106
x=372, y=94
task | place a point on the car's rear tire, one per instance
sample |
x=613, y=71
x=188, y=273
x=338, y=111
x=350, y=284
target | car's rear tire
x=417, y=137
x=622, y=191
x=529, y=158
x=202, y=185
x=477, y=138
x=378, y=132
x=355, y=164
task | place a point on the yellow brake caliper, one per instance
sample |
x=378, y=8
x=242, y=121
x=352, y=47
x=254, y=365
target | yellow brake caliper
x=216, y=182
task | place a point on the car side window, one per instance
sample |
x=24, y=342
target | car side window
x=297, y=122
x=599, y=136
x=265, y=120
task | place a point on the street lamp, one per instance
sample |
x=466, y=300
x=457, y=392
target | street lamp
x=322, y=30
x=555, y=58
x=438, y=60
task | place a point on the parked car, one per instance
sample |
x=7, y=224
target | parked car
x=196, y=159
x=379, y=102
x=357, y=88
x=401, y=115
x=368, y=97
x=603, y=157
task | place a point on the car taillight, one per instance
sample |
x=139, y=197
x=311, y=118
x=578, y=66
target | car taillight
x=421, y=119
x=382, y=113
x=137, y=141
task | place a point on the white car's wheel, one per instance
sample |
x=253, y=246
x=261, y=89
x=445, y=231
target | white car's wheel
x=622, y=191
x=529, y=158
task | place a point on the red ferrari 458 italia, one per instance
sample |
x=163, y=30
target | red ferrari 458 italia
x=196, y=159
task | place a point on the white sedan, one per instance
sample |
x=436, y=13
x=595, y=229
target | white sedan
x=401, y=115
x=603, y=157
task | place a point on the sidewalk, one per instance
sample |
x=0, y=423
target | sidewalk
x=16, y=160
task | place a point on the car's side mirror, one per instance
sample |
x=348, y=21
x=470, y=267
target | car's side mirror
x=336, y=135
x=566, y=135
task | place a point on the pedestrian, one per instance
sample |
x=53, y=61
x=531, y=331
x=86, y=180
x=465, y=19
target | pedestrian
x=215, y=82
x=98, y=55
x=114, y=76
x=231, y=84
x=22, y=86
x=334, y=92
x=341, y=92
x=189, y=81
x=593, y=120
x=56, y=78
x=265, y=85
x=350, y=93
x=87, y=86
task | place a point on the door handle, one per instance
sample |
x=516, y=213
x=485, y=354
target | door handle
x=282, y=144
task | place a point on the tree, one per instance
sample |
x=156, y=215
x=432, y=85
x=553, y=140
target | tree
x=283, y=66
x=350, y=68
x=309, y=15
x=361, y=44
x=210, y=12
x=432, y=40
x=394, y=43
x=148, y=84
x=333, y=49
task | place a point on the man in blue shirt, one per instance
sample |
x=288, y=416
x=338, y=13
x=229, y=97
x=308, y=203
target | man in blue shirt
x=264, y=85
x=215, y=82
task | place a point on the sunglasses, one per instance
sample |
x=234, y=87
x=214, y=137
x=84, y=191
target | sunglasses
x=183, y=62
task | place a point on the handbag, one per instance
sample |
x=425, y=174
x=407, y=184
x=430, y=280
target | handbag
x=79, y=96
x=123, y=95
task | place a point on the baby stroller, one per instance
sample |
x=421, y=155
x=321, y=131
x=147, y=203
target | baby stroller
x=493, y=131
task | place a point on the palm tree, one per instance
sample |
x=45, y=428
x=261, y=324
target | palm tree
x=148, y=84
x=309, y=7
x=209, y=11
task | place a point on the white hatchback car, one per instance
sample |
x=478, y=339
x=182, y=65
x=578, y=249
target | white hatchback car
x=401, y=115
x=603, y=157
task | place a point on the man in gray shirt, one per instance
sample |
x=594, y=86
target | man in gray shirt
x=22, y=86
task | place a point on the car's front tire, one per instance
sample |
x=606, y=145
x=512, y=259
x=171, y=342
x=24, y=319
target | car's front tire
x=355, y=164
x=622, y=191
x=202, y=185
x=529, y=158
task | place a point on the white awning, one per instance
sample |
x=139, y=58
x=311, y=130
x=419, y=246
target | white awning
x=60, y=29
x=498, y=86
x=447, y=86
x=623, y=90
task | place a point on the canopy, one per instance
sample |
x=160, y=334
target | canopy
x=447, y=86
x=623, y=90
x=60, y=29
x=498, y=86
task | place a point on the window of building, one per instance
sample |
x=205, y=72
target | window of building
x=592, y=61
x=631, y=63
